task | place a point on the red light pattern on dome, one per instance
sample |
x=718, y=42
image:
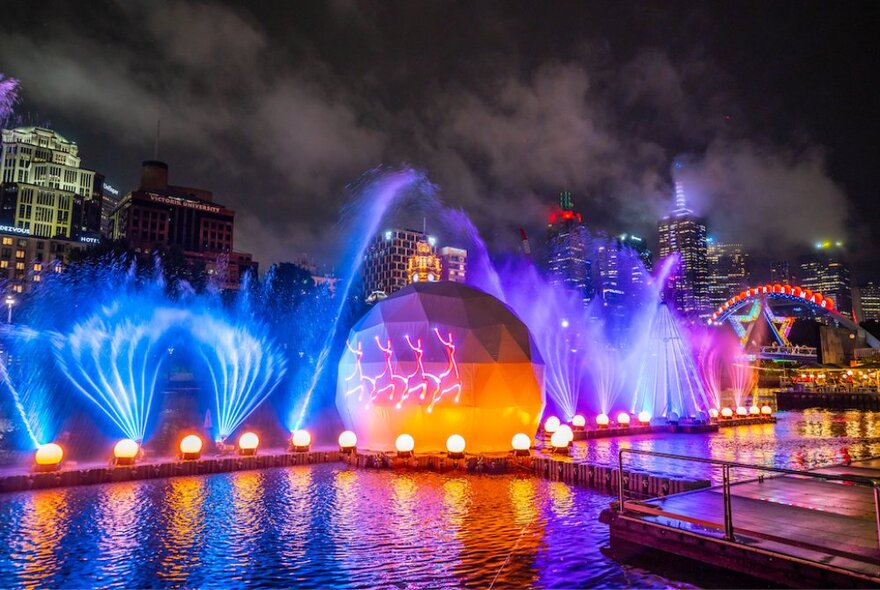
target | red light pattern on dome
x=398, y=385
x=775, y=289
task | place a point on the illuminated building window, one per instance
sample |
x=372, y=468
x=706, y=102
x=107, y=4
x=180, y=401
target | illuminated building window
x=4, y=264
x=19, y=253
x=36, y=278
x=38, y=267
x=19, y=266
x=7, y=241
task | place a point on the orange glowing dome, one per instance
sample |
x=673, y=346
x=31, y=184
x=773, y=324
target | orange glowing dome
x=438, y=358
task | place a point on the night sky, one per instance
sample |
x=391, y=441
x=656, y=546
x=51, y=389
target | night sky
x=277, y=106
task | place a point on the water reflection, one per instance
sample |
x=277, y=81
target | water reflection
x=333, y=526
x=182, y=513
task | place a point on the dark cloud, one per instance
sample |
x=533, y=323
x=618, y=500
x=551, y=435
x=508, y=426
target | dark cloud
x=277, y=107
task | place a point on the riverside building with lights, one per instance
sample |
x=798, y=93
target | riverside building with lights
x=160, y=216
x=684, y=233
x=45, y=191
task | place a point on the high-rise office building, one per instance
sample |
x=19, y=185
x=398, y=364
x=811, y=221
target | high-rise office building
x=386, y=259
x=728, y=271
x=870, y=295
x=45, y=191
x=568, y=244
x=158, y=216
x=780, y=273
x=826, y=272
x=684, y=233
x=453, y=264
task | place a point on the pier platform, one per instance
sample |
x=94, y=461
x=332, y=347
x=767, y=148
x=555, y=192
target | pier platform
x=789, y=528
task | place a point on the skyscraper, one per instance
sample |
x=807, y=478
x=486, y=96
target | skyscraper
x=567, y=261
x=728, y=273
x=386, y=260
x=45, y=191
x=826, y=272
x=684, y=233
x=870, y=292
x=780, y=272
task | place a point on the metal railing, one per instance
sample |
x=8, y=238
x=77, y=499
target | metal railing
x=726, y=466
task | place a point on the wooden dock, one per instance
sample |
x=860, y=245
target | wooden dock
x=789, y=530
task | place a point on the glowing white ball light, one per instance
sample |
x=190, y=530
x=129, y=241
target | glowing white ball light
x=559, y=441
x=726, y=413
x=742, y=411
x=623, y=419
x=551, y=425
x=602, y=420
x=125, y=451
x=521, y=443
x=190, y=447
x=48, y=457
x=566, y=431
x=578, y=422
x=766, y=410
x=644, y=417
x=455, y=446
x=347, y=441
x=300, y=440
x=404, y=445
x=713, y=413
x=755, y=411
x=248, y=443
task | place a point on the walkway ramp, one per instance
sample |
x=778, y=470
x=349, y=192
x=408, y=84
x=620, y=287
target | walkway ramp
x=799, y=529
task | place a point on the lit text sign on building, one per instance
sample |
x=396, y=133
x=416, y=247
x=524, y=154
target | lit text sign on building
x=184, y=203
x=15, y=230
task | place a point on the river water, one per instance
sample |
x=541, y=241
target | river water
x=332, y=526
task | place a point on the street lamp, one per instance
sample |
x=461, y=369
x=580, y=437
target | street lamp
x=10, y=301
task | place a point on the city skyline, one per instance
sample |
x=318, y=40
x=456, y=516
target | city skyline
x=281, y=153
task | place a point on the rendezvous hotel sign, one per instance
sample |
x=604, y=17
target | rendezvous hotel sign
x=11, y=229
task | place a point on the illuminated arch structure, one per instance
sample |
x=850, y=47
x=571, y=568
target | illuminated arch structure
x=778, y=307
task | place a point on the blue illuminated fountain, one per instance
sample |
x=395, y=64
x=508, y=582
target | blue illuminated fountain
x=243, y=365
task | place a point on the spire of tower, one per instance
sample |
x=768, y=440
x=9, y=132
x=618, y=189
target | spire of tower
x=681, y=207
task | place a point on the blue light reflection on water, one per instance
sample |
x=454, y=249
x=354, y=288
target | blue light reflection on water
x=317, y=526
x=331, y=526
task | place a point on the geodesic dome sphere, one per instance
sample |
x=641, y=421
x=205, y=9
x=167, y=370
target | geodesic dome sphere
x=437, y=359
